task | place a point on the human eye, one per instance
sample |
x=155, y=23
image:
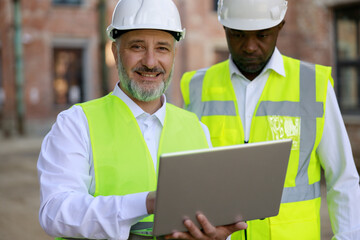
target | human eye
x=240, y=35
x=136, y=47
x=263, y=35
x=237, y=34
x=163, y=49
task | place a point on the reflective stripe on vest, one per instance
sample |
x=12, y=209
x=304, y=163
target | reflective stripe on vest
x=207, y=108
x=308, y=109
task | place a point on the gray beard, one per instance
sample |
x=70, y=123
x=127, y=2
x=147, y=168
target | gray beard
x=136, y=90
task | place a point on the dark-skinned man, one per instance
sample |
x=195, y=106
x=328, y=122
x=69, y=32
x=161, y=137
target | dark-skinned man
x=258, y=94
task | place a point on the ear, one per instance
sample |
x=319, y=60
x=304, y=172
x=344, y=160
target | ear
x=115, y=52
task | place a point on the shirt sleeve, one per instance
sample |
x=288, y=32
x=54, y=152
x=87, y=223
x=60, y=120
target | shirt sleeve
x=342, y=178
x=67, y=207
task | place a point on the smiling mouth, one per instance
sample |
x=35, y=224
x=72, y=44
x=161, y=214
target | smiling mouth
x=147, y=74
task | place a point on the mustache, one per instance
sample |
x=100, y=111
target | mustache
x=149, y=70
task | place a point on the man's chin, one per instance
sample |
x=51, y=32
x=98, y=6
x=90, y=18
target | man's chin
x=251, y=68
x=148, y=93
x=147, y=97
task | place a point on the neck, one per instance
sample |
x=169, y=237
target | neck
x=150, y=107
x=250, y=76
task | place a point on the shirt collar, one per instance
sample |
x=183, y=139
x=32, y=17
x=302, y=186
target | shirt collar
x=135, y=109
x=275, y=63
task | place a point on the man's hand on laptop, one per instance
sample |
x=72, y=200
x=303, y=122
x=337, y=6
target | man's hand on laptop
x=209, y=231
x=150, y=202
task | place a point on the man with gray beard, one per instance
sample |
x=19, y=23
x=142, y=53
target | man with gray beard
x=135, y=89
x=97, y=166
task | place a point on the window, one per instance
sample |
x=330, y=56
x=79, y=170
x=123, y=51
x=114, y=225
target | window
x=67, y=2
x=347, y=30
x=68, y=76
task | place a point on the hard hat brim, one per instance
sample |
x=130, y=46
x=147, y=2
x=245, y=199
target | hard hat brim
x=115, y=32
x=250, y=24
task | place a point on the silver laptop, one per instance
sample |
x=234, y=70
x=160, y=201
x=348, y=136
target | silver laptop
x=227, y=184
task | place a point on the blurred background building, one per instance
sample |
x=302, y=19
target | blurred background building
x=54, y=53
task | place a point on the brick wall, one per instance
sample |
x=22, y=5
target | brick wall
x=8, y=78
x=307, y=35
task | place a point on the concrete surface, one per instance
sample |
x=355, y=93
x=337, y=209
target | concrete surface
x=19, y=192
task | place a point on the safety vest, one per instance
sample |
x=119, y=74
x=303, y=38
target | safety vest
x=290, y=107
x=122, y=162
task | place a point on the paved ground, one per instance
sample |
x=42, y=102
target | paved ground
x=19, y=192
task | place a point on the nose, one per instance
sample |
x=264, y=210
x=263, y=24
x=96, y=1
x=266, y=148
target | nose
x=149, y=59
x=250, y=45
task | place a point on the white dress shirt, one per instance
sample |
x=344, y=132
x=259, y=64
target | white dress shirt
x=334, y=150
x=66, y=175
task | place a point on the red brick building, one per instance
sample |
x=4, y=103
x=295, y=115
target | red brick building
x=53, y=54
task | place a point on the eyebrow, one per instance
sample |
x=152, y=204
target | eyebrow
x=142, y=41
x=135, y=41
x=269, y=30
x=165, y=44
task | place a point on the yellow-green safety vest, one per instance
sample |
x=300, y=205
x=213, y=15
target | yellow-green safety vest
x=290, y=107
x=122, y=161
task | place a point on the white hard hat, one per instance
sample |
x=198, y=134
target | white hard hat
x=145, y=14
x=248, y=15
